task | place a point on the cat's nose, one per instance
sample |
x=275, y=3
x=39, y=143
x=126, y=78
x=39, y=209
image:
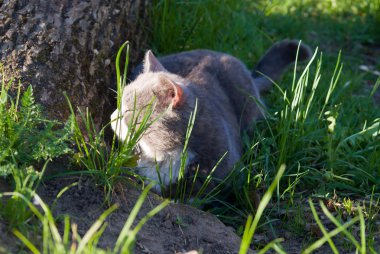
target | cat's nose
x=118, y=125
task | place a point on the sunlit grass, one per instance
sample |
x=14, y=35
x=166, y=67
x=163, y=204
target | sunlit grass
x=322, y=122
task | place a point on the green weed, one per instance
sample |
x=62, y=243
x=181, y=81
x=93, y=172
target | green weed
x=28, y=141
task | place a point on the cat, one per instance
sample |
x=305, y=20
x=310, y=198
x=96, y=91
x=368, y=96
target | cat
x=228, y=101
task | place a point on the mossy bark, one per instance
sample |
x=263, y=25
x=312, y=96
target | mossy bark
x=70, y=46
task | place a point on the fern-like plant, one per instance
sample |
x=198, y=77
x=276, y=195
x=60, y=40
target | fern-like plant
x=27, y=140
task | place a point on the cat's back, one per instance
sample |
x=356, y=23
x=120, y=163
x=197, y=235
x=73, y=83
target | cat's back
x=224, y=78
x=218, y=79
x=196, y=61
x=207, y=68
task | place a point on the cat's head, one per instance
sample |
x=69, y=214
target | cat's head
x=170, y=98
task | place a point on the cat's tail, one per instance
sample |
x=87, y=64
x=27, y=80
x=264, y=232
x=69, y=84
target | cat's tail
x=276, y=60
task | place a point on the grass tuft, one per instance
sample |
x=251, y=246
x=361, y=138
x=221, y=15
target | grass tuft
x=109, y=165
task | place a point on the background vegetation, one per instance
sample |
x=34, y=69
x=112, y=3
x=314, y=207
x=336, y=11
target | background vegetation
x=337, y=145
x=324, y=125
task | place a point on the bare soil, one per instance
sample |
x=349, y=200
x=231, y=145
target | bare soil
x=177, y=228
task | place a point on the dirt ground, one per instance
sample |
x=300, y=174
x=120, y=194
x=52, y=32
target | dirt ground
x=177, y=228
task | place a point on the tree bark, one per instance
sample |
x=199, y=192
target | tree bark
x=70, y=45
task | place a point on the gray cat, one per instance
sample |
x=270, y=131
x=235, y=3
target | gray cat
x=228, y=97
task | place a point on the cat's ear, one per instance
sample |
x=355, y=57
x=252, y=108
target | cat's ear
x=168, y=92
x=151, y=63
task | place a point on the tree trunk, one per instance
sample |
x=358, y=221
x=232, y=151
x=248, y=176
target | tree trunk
x=70, y=45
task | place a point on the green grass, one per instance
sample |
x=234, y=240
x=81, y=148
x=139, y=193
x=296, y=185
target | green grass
x=322, y=123
x=109, y=164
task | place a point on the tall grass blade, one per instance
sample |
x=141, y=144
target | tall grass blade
x=27, y=243
x=375, y=87
x=362, y=232
x=132, y=236
x=252, y=224
x=336, y=222
x=329, y=235
x=322, y=228
x=126, y=231
x=90, y=234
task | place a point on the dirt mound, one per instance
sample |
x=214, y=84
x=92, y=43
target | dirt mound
x=177, y=228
